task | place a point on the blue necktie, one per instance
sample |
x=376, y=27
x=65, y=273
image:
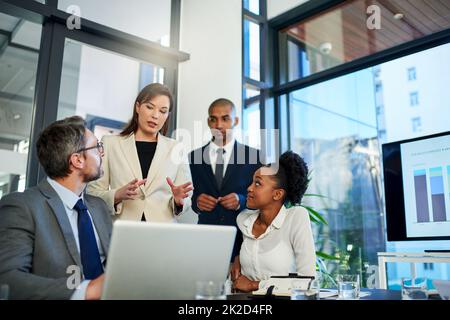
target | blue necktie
x=90, y=256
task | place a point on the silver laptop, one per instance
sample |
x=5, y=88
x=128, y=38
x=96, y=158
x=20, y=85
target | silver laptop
x=165, y=260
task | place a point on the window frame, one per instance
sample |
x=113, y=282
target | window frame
x=275, y=67
x=49, y=69
x=266, y=55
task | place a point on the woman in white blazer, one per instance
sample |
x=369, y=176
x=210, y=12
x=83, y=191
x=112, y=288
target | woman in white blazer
x=146, y=174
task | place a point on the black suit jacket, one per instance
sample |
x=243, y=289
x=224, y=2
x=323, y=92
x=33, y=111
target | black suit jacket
x=238, y=176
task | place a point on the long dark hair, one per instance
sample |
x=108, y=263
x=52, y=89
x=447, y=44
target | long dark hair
x=147, y=93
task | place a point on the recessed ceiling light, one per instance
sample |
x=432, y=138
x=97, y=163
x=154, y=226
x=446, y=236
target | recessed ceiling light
x=398, y=16
x=325, y=47
x=17, y=116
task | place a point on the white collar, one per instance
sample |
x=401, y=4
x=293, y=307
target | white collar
x=228, y=147
x=276, y=223
x=68, y=197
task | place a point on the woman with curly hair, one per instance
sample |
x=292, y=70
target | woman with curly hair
x=277, y=240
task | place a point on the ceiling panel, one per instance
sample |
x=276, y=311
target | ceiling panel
x=344, y=26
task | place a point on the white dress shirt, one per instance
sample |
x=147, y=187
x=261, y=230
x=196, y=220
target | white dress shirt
x=69, y=199
x=287, y=246
x=228, y=148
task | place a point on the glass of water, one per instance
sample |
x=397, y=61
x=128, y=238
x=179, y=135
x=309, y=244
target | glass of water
x=414, y=289
x=210, y=290
x=4, y=292
x=348, y=286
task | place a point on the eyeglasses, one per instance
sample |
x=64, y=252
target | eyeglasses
x=98, y=146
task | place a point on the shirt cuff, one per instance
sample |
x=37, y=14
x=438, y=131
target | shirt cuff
x=176, y=209
x=80, y=292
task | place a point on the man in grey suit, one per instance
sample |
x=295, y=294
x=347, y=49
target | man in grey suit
x=54, y=239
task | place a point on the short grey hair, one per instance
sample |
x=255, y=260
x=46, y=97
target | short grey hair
x=58, y=142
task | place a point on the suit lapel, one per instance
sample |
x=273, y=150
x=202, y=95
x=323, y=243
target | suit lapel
x=128, y=146
x=57, y=206
x=100, y=226
x=231, y=164
x=161, y=155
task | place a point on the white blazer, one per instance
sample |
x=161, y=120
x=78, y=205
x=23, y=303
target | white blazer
x=155, y=200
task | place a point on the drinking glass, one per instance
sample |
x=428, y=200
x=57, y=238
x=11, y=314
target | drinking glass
x=348, y=286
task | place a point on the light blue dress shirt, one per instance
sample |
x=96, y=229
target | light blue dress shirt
x=69, y=199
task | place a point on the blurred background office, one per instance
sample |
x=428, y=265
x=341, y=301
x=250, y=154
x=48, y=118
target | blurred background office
x=335, y=88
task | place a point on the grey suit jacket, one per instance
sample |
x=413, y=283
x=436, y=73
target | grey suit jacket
x=37, y=244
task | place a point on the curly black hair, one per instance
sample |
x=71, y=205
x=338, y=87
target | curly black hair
x=292, y=176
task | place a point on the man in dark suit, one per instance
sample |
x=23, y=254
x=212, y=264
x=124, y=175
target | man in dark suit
x=222, y=170
x=54, y=239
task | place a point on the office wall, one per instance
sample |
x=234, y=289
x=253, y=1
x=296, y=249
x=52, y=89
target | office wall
x=211, y=33
x=277, y=7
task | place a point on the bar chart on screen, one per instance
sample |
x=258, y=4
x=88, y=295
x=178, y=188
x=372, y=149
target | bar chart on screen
x=438, y=194
x=426, y=183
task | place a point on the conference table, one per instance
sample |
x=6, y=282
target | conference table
x=366, y=294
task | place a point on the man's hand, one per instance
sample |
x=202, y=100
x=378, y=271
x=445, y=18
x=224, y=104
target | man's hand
x=206, y=202
x=128, y=191
x=230, y=201
x=95, y=288
x=244, y=284
x=180, y=192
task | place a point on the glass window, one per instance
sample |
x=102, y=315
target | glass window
x=346, y=32
x=148, y=19
x=394, y=97
x=398, y=125
x=101, y=86
x=333, y=124
x=416, y=124
x=298, y=60
x=251, y=126
x=341, y=123
x=19, y=54
x=250, y=91
x=414, y=99
x=251, y=50
x=428, y=266
x=412, y=74
x=252, y=6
